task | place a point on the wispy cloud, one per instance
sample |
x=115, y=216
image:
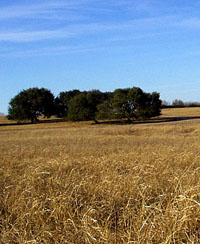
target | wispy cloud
x=51, y=50
x=114, y=30
x=137, y=5
x=41, y=10
x=76, y=30
x=31, y=36
x=190, y=22
x=50, y=9
x=115, y=43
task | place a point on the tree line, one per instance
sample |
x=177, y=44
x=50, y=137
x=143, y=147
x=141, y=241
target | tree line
x=75, y=105
x=178, y=103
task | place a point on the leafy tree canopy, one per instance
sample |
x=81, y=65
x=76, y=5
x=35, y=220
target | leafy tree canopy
x=62, y=102
x=129, y=103
x=84, y=105
x=79, y=108
x=105, y=110
x=133, y=103
x=30, y=104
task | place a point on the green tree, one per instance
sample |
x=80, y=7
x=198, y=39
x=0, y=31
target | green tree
x=94, y=97
x=105, y=110
x=84, y=105
x=79, y=108
x=62, y=102
x=122, y=108
x=154, y=104
x=132, y=103
x=30, y=104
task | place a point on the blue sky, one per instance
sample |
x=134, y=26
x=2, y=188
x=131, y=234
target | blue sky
x=100, y=44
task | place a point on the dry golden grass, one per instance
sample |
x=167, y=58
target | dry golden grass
x=182, y=112
x=4, y=120
x=82, y=183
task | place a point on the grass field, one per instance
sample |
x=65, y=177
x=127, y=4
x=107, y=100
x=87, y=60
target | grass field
x=84, y=183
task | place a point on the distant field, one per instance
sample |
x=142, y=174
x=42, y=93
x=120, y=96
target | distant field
x=193, y=112
x=85, y=183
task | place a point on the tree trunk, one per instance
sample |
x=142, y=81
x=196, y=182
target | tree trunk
x=96, y=121
x=34, y=120
x=129, y=121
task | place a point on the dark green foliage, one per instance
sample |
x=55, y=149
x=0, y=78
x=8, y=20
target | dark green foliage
x=129, y=103
x=154, y=104
x=121, y=104
x=62, y=102
x=94, y=97
x=107, y=96
x=60, y=108
x=30, y=104
x=84, y=105
x=105, y=110
x=79, y=108
x=133, y=103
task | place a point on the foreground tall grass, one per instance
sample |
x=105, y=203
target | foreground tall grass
x=82, y=183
